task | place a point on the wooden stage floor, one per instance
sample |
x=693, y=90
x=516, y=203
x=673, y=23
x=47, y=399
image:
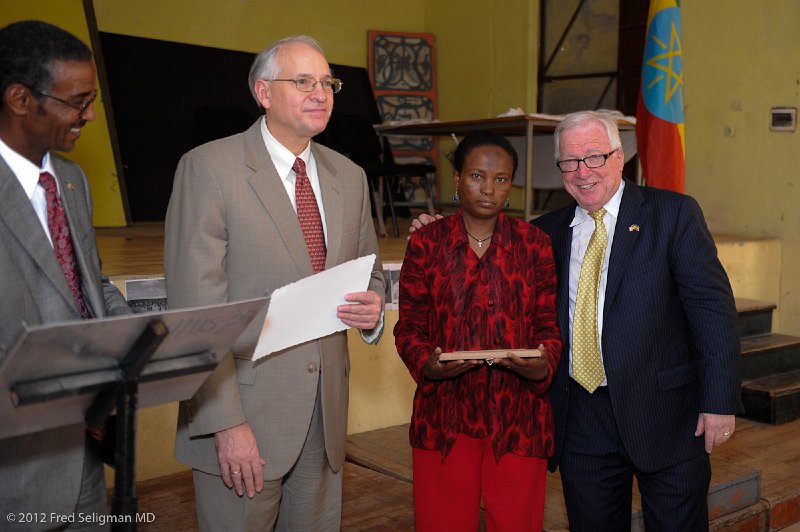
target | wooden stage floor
x=138, y=249
x=377, y=477
x=377, y=492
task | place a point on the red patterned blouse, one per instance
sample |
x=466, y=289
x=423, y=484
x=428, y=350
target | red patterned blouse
x=452, y=299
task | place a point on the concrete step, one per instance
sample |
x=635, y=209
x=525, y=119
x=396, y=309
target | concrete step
x=774, y=399
x=769, y=355
x=755, y=316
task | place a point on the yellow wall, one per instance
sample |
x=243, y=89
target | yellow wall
x=340, y=27
x=486, y=50
x=93, y=150
x=741, y=58
x=754, y=268
x=381, y=389
x=486, y=63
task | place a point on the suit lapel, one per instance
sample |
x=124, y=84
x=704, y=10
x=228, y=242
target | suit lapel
x=625, y=237
x=268, y=186
x=562, y=251
x=21, y=220
x=334, y=205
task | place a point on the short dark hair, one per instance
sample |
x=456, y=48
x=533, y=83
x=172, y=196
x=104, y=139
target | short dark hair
x=28, y=49
x=480, y=138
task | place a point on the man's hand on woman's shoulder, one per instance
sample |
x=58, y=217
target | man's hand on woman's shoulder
x=423, y=220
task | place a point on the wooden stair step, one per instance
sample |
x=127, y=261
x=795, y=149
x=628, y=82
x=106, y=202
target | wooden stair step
x=745, y=305
x=755, y=316
x=755, y=517
x=776, y=385
x=773, y=399
x=384, y=450
x=769, y=354
x=785, y=505
x=734, y=487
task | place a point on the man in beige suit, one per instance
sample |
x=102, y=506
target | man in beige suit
x=237, y=227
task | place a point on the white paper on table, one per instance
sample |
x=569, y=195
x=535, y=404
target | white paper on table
x=306, y=310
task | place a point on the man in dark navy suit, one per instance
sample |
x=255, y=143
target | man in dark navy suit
x=666, y=384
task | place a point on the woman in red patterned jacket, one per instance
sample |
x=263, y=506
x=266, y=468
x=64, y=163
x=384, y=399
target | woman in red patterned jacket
x=479, y=280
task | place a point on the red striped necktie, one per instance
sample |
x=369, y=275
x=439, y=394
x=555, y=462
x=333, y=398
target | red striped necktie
x=309, y=217
x=62, y=242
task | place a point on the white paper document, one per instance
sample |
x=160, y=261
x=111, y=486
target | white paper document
x=306, y=310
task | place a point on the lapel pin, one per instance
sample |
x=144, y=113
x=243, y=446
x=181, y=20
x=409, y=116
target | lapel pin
x=633, y=227
x=70, y=186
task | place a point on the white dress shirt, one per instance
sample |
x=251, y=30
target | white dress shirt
x=28, y=175
x=582, y=228
x=283, y=159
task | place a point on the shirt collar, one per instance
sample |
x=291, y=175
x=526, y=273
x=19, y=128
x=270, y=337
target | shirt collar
x=27, y=173
x=612, y=207
x=281, y=156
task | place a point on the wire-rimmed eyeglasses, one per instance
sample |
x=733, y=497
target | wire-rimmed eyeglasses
x=308, y=84
x=78, y=106
x=591, y=161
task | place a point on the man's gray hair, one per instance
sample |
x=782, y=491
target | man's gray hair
x=607, y=119
x=265, y=65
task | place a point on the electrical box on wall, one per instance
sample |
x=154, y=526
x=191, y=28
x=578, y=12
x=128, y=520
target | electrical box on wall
x=783, y=119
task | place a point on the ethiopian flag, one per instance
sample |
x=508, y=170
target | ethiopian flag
x=659, y=113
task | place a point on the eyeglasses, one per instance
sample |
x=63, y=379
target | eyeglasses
x=592, y=161
x=308, y=84
x=78, y=106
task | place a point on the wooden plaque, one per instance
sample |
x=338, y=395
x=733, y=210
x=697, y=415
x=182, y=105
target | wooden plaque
x=489, y=353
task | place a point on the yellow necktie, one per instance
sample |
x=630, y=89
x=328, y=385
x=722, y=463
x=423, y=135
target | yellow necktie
x=587, y=365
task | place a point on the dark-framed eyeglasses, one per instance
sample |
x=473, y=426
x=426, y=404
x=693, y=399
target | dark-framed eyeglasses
x=78, y=106
x=592, y=161
x=308, y=84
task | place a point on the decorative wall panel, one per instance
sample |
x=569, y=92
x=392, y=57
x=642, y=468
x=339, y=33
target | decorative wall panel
x=402, y=70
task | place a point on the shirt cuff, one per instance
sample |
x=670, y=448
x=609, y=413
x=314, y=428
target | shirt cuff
x=371, y=336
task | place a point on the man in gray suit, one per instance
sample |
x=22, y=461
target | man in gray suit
x=48, y=255
x=249, y=214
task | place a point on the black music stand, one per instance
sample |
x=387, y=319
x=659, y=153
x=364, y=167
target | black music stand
x=64, y=373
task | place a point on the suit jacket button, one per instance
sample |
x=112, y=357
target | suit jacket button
x=312, y=368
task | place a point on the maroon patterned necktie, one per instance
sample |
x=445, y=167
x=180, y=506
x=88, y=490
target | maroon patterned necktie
x=308, y=215
x=62, y=242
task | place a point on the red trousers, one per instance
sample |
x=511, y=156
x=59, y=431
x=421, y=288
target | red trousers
x=447, y=494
